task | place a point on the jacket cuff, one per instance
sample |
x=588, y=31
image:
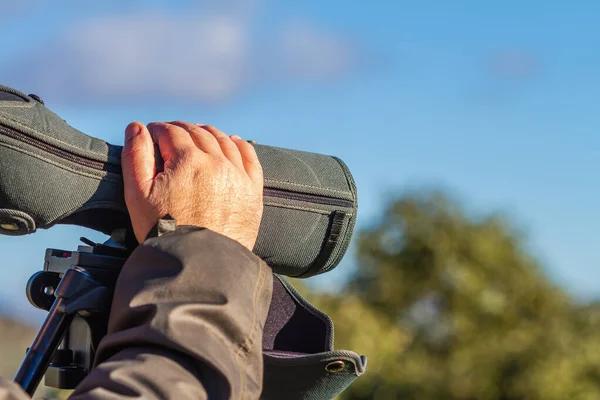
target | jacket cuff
x=199, y=295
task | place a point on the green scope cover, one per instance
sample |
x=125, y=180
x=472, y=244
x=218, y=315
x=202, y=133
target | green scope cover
x=51, y=173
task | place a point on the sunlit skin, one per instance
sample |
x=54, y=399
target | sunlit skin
x=209, y=179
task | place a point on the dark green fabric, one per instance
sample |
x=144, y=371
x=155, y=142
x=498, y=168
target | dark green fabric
x=306, y=378
x=48, y=189
x=293, y=374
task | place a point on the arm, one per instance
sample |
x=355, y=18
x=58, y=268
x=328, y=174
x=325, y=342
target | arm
x=187, y=322
x=190, y=305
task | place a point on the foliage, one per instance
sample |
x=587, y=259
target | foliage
x=16, y=338
x=448, y=305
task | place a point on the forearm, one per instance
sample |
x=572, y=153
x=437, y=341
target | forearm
x=186, y=322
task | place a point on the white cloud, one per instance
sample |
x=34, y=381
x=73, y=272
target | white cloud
x=209, y=56
x=308, y=51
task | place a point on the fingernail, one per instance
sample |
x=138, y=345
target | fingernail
x=236, y=137
x=132, y=131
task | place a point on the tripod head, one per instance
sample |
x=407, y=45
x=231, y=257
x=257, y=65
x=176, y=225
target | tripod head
x=76, y=288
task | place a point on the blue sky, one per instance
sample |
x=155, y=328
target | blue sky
x=496, y=101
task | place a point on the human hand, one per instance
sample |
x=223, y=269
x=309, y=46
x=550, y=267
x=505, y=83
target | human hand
x=209, y=180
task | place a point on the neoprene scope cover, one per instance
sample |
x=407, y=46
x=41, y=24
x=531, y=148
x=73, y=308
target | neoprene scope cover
x=51, y=173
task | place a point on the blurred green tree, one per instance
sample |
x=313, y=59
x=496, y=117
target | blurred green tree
x=449, y=305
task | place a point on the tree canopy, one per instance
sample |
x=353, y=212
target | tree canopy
x=451, y=305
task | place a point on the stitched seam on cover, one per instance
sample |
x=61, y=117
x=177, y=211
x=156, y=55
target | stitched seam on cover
x=315, y=210
x=20, y=105
x=250, y=338
x=66, y=144
x=49, y=161
x=308, y=186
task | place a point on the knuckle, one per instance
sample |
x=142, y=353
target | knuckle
x=248, y=146
x=226, y=143
x=220, y=165
x=184, y=156
x=215, y=131
x=254, y=162
x=247, y=150
x=156, y=125
x=220, y=160
x=252, y=158
x=223, y=138
x=157, y=129
x=181, y=125
x=258, y=175
x=188, y=155
x=171, y=129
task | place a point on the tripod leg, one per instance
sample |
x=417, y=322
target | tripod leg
x=77, y=291
x=40, y=353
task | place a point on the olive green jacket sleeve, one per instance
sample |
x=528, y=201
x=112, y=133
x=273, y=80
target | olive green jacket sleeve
x=186, y=322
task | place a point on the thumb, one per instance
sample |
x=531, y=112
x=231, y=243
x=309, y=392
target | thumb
x=137, y=160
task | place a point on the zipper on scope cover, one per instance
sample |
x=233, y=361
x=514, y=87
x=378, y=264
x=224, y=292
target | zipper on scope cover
x=67, y=155
x=102, y=166
x=309, y=198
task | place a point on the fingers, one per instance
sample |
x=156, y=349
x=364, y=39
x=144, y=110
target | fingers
x=137, y=159
x=177, y=137
x=212, y=141
x=203, y=139
x=172, y=140
x=228, y=147
x=250, y=159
